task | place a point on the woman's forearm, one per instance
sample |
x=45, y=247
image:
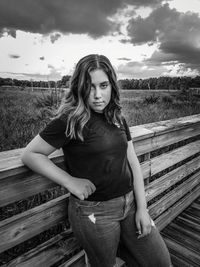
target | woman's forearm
x=43, y=165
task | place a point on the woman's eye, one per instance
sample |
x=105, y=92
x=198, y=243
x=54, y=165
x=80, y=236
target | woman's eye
x=103, y=86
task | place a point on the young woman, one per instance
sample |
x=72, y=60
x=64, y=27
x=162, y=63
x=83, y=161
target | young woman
x=107, y=208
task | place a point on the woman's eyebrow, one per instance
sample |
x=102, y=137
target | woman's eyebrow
x=101, y=82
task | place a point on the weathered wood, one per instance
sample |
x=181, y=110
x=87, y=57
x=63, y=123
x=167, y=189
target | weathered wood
x=14, y=165
x=187, y=255
x=171, y=158
x=169, y=125
x=171, y=178
x=48, y=253
x=178, y=236
x=158, y=141
x=23, y=226
x=77, y=261
x=177, y=262
x=190, y=216
x=195, y=206
x=173, y=196
x=188, y=223
x=19, y=187
x=176, y=209
x=186, y=231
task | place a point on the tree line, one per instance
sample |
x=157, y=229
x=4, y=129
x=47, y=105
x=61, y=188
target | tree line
x=168, y=83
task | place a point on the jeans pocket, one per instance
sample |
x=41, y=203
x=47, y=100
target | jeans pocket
x=87, y=204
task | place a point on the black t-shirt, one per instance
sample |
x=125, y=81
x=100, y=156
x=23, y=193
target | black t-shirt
x=101, y=157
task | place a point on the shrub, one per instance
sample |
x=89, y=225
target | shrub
x=152, y=99
x=48, y=100
x=167, y=99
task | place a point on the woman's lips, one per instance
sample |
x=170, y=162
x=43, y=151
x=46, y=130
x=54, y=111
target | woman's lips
x=98, y=103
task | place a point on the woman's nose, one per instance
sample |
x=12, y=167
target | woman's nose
x=97, y=93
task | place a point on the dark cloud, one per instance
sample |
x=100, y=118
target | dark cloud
x=177, y=35
x=42, y=58
x=14, y=56
x=64, y=16
x=124, y=58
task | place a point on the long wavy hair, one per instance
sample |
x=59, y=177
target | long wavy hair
x=74, y=107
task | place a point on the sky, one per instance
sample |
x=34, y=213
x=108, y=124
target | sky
x=44, y=39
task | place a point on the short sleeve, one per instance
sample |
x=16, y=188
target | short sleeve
x=128, y=134
x=54, y=133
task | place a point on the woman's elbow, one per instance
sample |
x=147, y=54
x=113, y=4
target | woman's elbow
x=25, y=156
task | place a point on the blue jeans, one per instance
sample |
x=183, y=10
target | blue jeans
x=108, y=227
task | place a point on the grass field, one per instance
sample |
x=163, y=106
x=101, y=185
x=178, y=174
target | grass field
x=22, y=115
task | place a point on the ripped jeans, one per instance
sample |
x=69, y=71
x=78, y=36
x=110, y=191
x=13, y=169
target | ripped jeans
x=107, y=229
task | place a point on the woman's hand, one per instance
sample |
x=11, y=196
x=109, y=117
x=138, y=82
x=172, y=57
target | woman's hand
x=143, y=222
x=82, y=188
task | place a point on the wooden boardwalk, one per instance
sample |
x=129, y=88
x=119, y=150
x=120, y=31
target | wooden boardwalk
x=182, y=236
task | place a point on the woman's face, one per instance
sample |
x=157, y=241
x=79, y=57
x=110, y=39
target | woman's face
x=100, y=92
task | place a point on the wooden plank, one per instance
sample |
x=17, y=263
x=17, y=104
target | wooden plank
x=197, y=200
x=19, y=187
x=170, y=125
x=183, y=228
x=166, y=160
x=13, y=165
x=25, y=225
x=177, y=262
x=76, y=261
x=165, y=139
x=174, y=195
x=10, y=153
x=164, y=182
x=188, y=223
x=178, y=236
x=190, y=216
x=48, y=253
x=176, y=209
x=146, y=169
x=16, y=153
x=186, y=254
x=147, y=158
x=79, y=261
x=196, y=206
x=193, y=212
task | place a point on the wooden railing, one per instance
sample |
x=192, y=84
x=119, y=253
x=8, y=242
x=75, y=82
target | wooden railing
x=169, y=152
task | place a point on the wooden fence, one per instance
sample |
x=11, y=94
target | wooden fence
x=169, y=152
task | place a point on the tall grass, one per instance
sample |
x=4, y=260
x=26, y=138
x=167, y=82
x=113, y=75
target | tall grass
x=23, y=113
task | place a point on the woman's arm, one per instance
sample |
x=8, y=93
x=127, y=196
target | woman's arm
x=142, y=218
x=35, y=156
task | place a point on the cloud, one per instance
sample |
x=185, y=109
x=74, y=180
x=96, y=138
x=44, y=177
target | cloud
x=64, y=16
x=54, y=74
x=14, y=56
x=124, y=58
x=42, y=58
x=177, y=35
x=140, y=70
